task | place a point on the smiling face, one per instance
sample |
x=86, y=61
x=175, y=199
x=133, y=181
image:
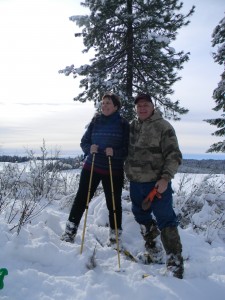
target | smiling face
x=144, y=109
x=108, y=107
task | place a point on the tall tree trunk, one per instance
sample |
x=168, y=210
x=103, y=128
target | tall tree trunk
x=129, y=50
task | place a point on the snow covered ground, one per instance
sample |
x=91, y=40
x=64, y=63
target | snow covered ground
x=42, y=267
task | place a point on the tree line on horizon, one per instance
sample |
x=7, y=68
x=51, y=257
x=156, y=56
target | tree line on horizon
x=62, y=163
x=203, y=166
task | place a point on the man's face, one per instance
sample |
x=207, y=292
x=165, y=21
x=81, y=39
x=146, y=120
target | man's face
x=144, y=109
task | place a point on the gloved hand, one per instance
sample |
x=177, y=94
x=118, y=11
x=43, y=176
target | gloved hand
x=150, y=197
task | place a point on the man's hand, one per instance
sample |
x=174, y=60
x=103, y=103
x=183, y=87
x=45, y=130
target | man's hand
x=161, y=185
x=94, y=149
x=109, y=151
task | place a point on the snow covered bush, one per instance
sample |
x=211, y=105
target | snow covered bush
x=10, y=176
x=27, y=189
x=199, y=202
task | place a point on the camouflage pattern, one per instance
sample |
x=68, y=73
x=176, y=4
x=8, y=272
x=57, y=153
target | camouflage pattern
x=153, y=245
x=171, y=241
x=153, y=150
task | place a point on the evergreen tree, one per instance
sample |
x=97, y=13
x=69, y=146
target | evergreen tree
x=131, y=40
x=218, y=39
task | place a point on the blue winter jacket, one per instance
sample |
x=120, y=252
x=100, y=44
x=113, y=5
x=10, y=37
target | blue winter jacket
x=106, y=131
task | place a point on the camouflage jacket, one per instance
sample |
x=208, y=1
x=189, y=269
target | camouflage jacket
x=153, y=150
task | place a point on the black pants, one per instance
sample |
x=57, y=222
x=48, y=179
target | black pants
x=80, y=200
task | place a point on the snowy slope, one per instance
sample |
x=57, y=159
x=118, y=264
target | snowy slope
x=42, y=267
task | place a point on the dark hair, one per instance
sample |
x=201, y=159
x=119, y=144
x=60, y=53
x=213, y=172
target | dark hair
x=142, y=96
x=115, y=99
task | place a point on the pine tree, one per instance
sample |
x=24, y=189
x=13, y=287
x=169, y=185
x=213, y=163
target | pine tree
x=131, y=40
x=218, y=39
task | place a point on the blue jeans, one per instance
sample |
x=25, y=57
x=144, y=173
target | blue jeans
x=161, y=208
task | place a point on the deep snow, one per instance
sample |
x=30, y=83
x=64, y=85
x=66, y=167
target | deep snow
x=42, y=267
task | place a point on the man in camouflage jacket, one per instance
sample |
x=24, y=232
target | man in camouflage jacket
x=153, y=160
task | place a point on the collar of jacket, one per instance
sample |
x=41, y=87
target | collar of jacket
x=114, y=116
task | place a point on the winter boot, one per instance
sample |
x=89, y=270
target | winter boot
x=70, y=232
x=151, y=235
x=173, y=247
x=112, y=237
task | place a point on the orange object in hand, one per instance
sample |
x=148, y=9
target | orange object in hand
x=150, y=197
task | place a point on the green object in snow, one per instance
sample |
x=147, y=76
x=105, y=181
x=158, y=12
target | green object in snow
x=3, y=272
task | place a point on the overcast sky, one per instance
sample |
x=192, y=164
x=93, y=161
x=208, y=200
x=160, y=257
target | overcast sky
x=36, y=103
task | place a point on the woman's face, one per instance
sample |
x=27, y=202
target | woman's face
x=108, y=107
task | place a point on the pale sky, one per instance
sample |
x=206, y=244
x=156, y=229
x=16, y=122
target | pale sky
x=36, y=103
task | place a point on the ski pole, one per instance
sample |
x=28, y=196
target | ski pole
x=114, y=211
x=87, y=203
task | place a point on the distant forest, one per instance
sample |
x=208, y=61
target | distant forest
x=73, y=162
x=204, y=166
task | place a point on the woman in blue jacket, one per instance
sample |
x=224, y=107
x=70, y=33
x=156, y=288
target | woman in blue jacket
x=107, y=135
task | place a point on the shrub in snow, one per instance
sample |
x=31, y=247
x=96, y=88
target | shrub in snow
x=25, y=190
x=201, y=204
